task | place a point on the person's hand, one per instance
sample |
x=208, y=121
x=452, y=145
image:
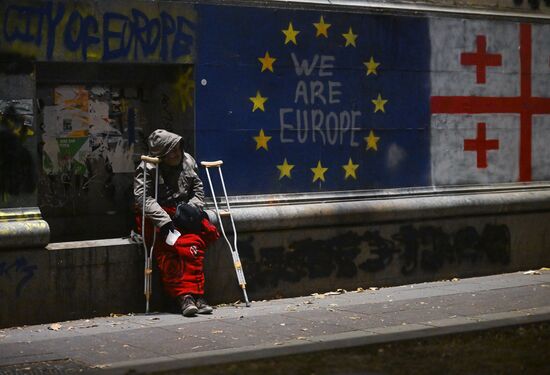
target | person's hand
x=166, y=228
x=170, y=233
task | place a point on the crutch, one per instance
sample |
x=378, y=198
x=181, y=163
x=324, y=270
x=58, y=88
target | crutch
x=219, y=214
x=148, y=254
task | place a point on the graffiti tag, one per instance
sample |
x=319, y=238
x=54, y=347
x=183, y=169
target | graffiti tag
x=426, y=248
x=135, y=35
x=21, y=269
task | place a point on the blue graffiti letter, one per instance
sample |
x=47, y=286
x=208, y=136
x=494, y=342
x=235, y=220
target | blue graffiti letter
x=122, y=49
x=147, y=33
x=53, y=21
x=81, y=27
x=168, y=28
x=182, y=40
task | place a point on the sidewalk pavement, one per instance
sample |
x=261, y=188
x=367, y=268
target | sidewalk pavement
x=150, y=343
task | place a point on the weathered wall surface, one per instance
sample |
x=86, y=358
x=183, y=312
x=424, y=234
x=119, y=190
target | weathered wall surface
x=521, y=6
x=380, y=243
x=305, y=106
x=326, y=246
x=87, y=129
x=310, y=100
x=70, y=281
x=107, y=31
x=318, y=101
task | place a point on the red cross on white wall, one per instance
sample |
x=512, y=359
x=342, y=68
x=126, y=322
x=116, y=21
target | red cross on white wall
x=481, y=59
x=481, y=145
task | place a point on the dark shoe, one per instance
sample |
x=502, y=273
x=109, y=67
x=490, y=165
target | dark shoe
x=202, y=306
x=188, y=307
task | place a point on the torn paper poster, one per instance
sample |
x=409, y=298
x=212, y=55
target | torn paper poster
x=62, y=122
x=72, y=154
x=71, y=97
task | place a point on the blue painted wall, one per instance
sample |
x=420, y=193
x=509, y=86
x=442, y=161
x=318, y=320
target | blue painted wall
x=250, y=112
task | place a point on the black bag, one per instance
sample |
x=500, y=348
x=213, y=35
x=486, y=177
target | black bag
x=189, y=218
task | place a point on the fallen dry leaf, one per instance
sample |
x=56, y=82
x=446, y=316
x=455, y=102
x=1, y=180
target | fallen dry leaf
x=55, y=327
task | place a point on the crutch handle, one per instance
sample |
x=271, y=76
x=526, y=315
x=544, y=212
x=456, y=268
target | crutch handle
x=209, y=164
x=150, y=159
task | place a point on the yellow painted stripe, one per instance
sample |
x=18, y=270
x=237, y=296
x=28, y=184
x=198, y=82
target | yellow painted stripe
x=20, y=215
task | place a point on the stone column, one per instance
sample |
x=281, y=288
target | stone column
x=21, y=223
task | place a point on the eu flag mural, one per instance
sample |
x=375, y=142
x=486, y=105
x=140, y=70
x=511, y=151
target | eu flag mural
x=309, y=101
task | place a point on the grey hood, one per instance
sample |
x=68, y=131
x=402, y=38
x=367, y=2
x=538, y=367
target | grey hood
x=161, y=142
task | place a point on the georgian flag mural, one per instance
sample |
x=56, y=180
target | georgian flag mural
x=310, y=101
x=490, y=102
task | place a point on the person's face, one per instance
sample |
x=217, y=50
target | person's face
x=173, y=158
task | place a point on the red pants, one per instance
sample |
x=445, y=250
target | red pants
x=181, y=265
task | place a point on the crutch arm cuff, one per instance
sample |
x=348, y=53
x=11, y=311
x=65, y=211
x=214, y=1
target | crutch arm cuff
x=208, y=164
x=150, y=159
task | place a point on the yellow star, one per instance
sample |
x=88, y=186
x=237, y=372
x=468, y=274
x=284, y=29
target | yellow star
x=285, y=169
x=319, y=172
x=371, y=66
x=258, y=101
x=290, y=34
x=350, y=169
x=350, y=38
x=379, y=104
x=372, y=141
x=261, y=140
x=267, y=62
x=322, y=27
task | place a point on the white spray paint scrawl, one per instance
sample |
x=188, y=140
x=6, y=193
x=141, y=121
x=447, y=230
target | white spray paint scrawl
x=121, y=158
x=395, y=156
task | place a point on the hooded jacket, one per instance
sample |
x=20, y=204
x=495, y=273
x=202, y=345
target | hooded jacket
x=178, y=184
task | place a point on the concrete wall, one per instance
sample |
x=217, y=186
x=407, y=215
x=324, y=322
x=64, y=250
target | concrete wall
x=381, y=242
x=69, y=281
x=306, y=249
x=391, y=215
